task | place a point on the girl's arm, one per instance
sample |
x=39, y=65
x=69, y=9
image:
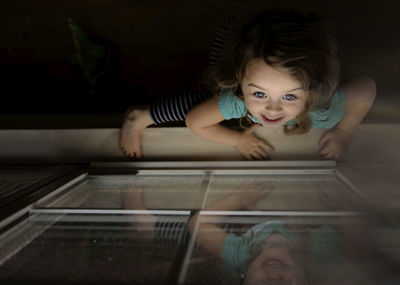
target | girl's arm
x=211, y=237
x=360, y=95
x=204, y=120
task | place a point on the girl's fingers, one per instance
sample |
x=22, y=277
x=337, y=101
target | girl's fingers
x=323, y=140
x=266, y=146
x=248, y=156
x=325, y=150
x=330, y=155
x=262, y=152
x=257, y=156
x=327, y=155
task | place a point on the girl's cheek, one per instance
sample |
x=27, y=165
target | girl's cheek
x=298, y=106
x=254, y=106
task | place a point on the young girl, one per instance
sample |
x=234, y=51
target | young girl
x=282, y=72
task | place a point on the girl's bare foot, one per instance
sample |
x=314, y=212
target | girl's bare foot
x=136, y=120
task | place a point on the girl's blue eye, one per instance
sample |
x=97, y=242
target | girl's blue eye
x=260, y=94
x=289, y=97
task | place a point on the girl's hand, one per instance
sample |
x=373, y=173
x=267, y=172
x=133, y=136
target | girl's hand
x=333, y=142
x=251, y=146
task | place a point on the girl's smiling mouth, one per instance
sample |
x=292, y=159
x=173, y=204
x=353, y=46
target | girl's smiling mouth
x=271, y=121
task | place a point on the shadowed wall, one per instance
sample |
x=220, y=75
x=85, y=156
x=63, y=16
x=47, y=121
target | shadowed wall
x=159, y=47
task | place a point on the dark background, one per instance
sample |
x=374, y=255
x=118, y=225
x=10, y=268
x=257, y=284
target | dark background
x=158, y=48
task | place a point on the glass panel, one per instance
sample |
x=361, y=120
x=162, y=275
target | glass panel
x=287, y=192
x=93, y=248
x=112, y=192
x=134, y=229
x=267, y=250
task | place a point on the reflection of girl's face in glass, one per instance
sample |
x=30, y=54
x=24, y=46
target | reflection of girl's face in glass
x=275, y=264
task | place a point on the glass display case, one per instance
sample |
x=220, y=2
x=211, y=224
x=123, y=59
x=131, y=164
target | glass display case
x=200, y=223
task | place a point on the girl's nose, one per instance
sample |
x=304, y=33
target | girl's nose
x=274, y=106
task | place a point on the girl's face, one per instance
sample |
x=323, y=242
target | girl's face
x=275, y=264
x=272, y=96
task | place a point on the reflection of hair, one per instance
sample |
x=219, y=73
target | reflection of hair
x=299, y=253
x=299, y=44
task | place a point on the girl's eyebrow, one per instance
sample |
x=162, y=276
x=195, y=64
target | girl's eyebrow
x=298, y=88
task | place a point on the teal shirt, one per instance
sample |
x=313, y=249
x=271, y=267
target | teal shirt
x=325, y=247
x=231, y=107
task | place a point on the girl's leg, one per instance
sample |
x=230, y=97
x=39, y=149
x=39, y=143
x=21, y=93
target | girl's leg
x=170, y=109
x=175, y=108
